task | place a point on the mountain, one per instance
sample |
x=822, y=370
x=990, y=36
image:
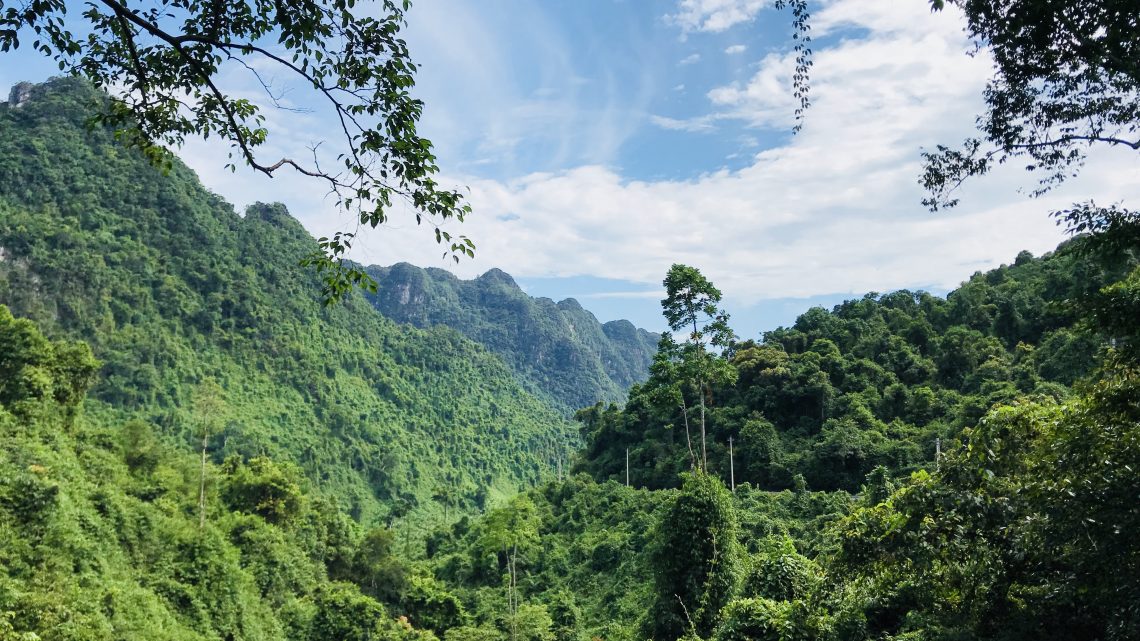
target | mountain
x=558, y=349
x=1016, y=531
x=176, y=294
x=143, y=323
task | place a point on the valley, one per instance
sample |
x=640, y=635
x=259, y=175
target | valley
x=199, y=445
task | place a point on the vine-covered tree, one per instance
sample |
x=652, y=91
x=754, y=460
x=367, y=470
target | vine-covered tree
x=691, y=306
x=695, y=560
x=163, y=63
x=34, y=370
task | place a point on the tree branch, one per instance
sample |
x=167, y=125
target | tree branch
x=1064, y=140
x=123, y=13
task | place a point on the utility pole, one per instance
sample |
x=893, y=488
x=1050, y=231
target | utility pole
x=627, y=467
x=731, y=467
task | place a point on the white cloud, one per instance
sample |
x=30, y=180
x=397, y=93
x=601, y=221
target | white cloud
x=702, y=123
x=834, y=209
x=735, y=49
x=766, y=99
x=796, y=223
x=886, y=18
x=655, y=294
x=690, y=59
x=715, y=15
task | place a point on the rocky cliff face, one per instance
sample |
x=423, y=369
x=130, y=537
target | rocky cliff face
x=20, y=94
x=558, y=349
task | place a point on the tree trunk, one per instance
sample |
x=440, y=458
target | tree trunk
x=688, y=438
x=202, y=484
x=701, y=391
x=731, y=467
x=512, y=594
x=704, y=451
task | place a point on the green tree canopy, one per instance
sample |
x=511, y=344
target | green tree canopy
x=691, y=305
x=33, y=368
x=163, y=63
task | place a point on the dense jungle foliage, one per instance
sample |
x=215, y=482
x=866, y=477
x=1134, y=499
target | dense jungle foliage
x=101, y=538
x=171, y=288
x=1020, y=530
x=195, y=448
x=873, y=382
x=559, y=350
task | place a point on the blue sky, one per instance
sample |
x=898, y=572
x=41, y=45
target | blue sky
x=602, y=141
x=554, y=85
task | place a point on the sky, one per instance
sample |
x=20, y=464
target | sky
x=599, y=142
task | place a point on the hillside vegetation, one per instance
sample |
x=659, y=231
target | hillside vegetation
x=558, y=350
x=873, y=382
x=103, y=536
x=193, y=447
x=1028, y=374
x=171, y=288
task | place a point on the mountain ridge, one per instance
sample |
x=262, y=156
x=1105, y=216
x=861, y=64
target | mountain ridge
x=171, y=288
x=557, y=349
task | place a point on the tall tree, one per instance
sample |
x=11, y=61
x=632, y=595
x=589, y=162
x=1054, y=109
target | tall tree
x=512, y=531
x=691, y=306
x=209, y=407
x=164, y=64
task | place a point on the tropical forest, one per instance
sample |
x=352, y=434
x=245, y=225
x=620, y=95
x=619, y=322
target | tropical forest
x=804, y=360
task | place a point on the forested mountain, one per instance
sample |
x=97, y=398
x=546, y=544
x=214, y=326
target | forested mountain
x=1028, y=375
x=173, y=291
x=872, y=382
x=105, y=537
x=557, y=349
x=193, y=447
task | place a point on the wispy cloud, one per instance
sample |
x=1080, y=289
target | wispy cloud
x=522, y=98
x=690, y=59
x=715, y=15
x=732, y=50
x=654, y=294
x=702, y=123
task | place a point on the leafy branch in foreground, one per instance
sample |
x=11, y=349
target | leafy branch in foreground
x=164, y=61
x=801, y=36
x=1067, y=78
